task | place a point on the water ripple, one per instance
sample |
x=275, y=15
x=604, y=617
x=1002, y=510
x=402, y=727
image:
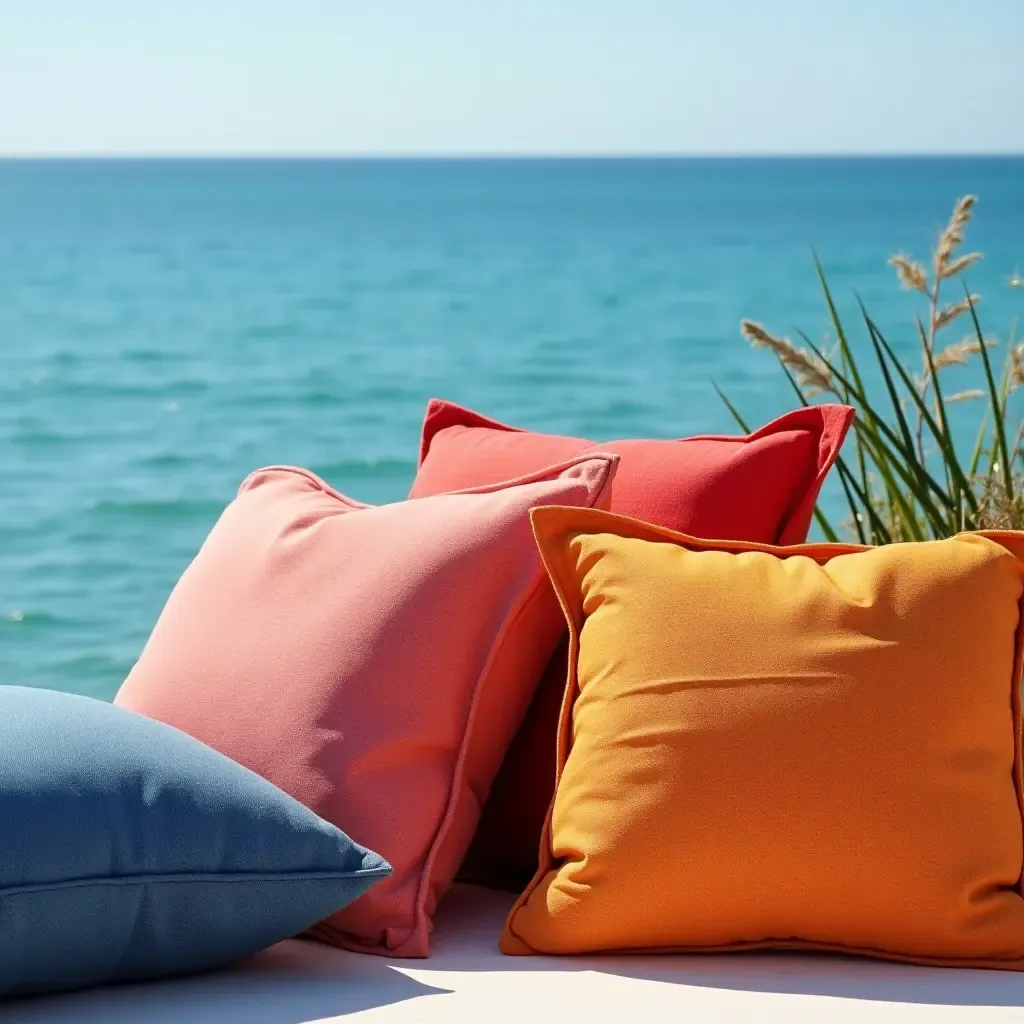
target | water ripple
x=167, y=328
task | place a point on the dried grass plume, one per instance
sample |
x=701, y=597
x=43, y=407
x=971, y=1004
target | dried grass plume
x=811, y=373
x=953, y=236
x=912, y=275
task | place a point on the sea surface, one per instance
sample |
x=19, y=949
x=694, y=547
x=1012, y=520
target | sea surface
x=166, y=327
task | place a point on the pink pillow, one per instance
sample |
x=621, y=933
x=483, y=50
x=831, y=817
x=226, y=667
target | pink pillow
x=372, y=662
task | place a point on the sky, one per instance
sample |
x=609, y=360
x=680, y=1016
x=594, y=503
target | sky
x=517, y=77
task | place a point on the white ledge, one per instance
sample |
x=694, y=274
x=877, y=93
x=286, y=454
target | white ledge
x=468, y=980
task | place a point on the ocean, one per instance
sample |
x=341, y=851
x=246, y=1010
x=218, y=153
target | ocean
x=168, y=326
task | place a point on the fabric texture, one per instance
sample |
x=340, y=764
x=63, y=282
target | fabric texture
x=131, y=850
x=372, y=662
x=805, y=747
x=761, y=487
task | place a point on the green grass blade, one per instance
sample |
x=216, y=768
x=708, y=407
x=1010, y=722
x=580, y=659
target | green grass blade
x=801, y=398
x=907, y=514
x=940, y=405
x=850, y=363
x=908, y=438
x=948, y=451
x=887, y=436
x=855, y=514
x=921, y=483
x=732, y=408
x=826, y=528
x=879, y=529
x=850, y=367
x=979, y=445
x=862, y=467
x=998, y=410
x=934, y=379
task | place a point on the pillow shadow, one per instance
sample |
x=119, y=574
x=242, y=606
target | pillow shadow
x=782, y=973
x=831, y=975
x=472, y=946
x=291, y=983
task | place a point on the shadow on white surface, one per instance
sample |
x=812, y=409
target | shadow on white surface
x=834, y=976
x=292, y=983
x=298, y=982
x=472, y=919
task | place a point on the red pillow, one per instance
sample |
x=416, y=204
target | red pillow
x=761, y=487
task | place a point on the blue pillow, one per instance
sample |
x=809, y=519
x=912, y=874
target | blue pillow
x=130, y=850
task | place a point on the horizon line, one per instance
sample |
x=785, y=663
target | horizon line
x=480, y=157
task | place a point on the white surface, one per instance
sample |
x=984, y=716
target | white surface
x=468, y=980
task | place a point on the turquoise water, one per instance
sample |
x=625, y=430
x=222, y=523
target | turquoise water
x=166, y=327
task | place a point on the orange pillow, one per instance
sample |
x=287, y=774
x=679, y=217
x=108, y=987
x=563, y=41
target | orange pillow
x=371, y=662
x=814, y=747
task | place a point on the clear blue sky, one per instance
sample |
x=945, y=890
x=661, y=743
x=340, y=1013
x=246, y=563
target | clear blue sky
x=517, y=76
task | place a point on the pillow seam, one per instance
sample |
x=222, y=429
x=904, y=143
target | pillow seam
x=191, y=877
